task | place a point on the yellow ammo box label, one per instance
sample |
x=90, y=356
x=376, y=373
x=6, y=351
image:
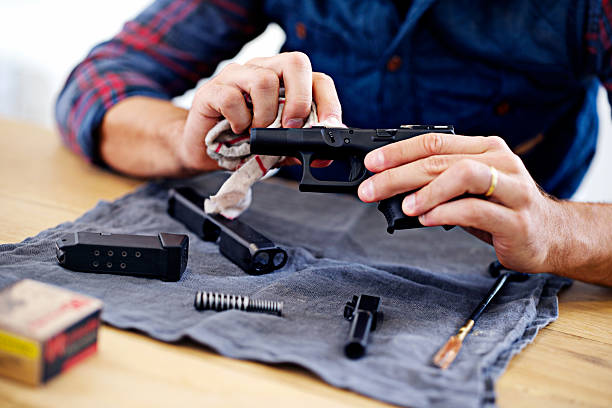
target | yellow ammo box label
x=18, y=345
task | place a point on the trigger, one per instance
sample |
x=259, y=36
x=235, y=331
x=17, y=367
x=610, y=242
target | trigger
x=357, y=168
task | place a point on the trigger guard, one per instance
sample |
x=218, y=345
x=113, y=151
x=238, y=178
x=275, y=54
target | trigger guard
x=308, y=180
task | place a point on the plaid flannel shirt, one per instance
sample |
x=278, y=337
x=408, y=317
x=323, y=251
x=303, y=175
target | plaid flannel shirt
x=174, y=43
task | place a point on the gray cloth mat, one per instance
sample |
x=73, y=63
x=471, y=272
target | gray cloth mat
x=429, y=281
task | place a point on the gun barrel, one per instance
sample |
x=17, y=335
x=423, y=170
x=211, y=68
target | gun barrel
x=358, y=336
x=250, y=250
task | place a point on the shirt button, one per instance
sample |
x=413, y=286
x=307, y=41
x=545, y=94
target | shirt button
x=502, y=108
x=300, y=30
x=394, y=63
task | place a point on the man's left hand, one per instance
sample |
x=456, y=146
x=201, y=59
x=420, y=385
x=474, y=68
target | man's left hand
x=518, y=218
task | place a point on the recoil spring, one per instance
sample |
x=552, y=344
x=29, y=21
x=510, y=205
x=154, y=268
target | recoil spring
x=222, y=301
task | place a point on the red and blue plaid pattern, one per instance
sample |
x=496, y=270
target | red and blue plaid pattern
x=173, y=43
x=602, y=45
x=161, y=53
x=598, y=40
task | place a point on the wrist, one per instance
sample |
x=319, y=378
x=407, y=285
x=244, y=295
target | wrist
x=584, y=243
x=140, y=135
x=577, y=246
x=557, y=222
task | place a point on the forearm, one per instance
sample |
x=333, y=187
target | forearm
x=140, y=137
x=583, y=248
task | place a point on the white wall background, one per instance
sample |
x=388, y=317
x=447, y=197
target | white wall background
x=42, y=40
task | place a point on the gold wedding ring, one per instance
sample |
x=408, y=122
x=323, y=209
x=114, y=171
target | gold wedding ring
x=493, y=184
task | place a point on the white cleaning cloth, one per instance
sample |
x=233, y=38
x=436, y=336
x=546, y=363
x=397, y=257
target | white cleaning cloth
x=233, y=152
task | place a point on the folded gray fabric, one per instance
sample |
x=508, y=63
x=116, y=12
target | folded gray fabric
x=429, y=281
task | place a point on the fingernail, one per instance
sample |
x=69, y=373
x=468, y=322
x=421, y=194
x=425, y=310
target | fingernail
x=366, y=190
x=409, y=204
x=422, y=219
x=332, y=121
x=375, y=160
x=294, y=123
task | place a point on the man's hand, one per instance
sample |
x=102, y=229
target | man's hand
x=148, y=137
x=260, y=78
x=518, y=219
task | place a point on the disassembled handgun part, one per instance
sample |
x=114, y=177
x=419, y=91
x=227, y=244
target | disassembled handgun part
x=163, y=256
x=308, y=144
x=363, y=313
x=251, y=251
x=221, y=301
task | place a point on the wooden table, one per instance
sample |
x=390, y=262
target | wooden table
x=42, y=184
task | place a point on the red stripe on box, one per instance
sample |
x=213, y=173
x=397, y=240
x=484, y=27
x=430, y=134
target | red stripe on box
x=80, y=356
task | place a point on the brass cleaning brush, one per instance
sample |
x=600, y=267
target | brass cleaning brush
x=445, y=356
x=447, y=353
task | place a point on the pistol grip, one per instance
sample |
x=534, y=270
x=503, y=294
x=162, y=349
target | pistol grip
x=396, y=219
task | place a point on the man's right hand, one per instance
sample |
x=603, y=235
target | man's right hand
x=147, y=137
x=224, y=97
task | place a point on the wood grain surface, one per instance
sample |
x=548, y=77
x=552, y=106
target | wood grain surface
x=42, y=184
